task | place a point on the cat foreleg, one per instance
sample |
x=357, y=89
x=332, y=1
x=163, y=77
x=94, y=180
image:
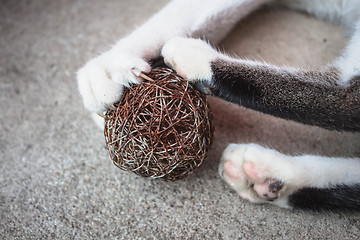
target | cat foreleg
x=102, y=79
x=312, y=97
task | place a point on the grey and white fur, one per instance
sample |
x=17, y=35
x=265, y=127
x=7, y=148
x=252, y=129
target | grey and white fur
x=328, y=97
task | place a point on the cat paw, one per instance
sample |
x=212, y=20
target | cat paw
x=102, y=79
x=256, y=173
x=190, y=58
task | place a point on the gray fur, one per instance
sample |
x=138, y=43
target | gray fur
x=310, y=97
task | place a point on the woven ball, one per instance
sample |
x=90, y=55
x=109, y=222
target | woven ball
x=162, y=128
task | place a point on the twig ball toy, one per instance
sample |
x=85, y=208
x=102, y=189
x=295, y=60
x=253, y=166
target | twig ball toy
x=162, y=128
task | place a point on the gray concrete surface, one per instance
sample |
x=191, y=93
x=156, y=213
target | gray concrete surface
x=56, y=179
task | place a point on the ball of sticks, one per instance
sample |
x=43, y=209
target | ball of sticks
x=162, y=128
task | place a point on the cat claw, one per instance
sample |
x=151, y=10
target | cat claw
x=111, y=107
x=101, y=115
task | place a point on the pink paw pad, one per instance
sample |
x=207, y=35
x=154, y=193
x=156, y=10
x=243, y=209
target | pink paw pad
x=231, y=169
x=251, y=170
x=268, y=189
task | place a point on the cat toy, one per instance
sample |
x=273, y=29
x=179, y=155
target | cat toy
x=162, y=128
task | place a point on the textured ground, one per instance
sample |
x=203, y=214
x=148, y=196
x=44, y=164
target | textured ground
x=56, y=178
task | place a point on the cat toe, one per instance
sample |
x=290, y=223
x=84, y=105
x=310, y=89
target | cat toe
x=102, y=80
x=190, y=58
x=244, y=167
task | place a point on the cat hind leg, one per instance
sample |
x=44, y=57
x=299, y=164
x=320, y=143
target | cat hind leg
x=255, y=173
x=263, y=175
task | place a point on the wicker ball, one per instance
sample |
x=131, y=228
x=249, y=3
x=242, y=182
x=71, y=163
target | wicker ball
x=162, y=128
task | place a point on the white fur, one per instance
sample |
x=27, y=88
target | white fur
x=102, y=79
x=349, y=61
x=191, y=58
x=346, y=12
x=296, y=172
x=176, y=54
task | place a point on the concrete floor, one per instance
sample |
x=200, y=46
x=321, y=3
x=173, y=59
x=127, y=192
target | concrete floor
x=57, y=180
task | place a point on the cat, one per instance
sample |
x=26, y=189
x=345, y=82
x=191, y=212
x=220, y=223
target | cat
x=328, y=97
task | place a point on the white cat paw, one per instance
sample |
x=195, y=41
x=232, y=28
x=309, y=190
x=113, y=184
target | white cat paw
x=102, y=79
x=256, y=173
x=191, y=58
